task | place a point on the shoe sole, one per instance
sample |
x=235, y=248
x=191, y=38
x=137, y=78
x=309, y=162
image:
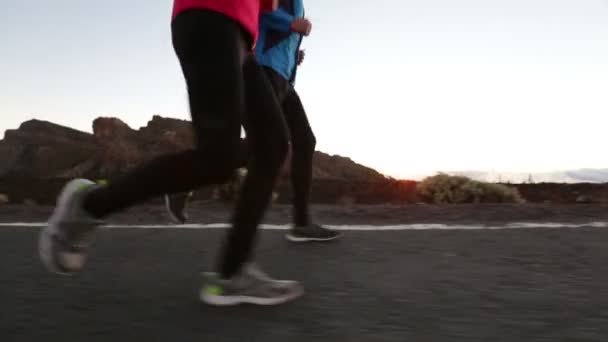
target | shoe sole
x=238, y=300
x=293, y=238
x=171, y=215
x=46, y=245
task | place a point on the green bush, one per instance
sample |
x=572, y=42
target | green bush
x=446, y=189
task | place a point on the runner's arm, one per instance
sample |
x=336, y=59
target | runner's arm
x=278, y=20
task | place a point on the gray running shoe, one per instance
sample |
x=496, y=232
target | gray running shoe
x=64, y=243
x=250, y=286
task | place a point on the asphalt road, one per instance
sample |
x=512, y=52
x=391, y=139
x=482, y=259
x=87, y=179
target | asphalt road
x=475, y=285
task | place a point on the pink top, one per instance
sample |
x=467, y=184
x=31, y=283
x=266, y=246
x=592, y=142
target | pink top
x=245, y=12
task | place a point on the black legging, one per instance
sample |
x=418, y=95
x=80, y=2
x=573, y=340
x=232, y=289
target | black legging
x=226, y=88
x=303, y=143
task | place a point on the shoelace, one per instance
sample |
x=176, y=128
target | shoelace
x=255, y=271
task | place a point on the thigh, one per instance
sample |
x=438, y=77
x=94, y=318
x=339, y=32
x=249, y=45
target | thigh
x=211, y=49
x=279, y=84
x=295, y=117
x=264, y=121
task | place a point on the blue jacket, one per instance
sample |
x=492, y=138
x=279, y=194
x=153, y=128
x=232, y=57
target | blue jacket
x=277, y=46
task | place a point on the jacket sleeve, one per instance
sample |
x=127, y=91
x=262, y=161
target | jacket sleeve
x=268, y=5
x=278, y=20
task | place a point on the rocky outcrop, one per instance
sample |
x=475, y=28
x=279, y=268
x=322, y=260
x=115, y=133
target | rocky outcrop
x=40, y=149
x=38, y=156
x=326, y=166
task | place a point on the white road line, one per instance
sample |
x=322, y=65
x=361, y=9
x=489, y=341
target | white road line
x=398, y=227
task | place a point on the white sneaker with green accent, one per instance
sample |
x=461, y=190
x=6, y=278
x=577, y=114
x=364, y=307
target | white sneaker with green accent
x=63, y=244
x=250, y=286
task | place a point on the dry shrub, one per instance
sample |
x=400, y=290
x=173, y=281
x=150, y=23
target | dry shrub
x=446, y=189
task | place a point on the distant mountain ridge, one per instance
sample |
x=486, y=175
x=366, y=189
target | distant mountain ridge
x=583, y=175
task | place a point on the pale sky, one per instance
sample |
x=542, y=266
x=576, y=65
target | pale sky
x=409, y=87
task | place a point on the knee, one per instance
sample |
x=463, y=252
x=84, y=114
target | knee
x=287, y=159
x=281, y=151
x=306, y=143
x=312, y=142
x=275, y=152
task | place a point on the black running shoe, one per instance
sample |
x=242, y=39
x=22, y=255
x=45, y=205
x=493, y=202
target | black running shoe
x=176, y=206
x=312, y=233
